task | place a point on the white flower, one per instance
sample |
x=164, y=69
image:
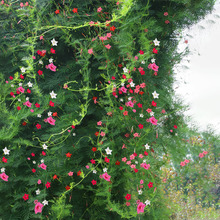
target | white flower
x=152, y=113
x=147, y=146
x=129, y=98
x=156, y=42
x=39, y=115
x=105, y=170
x=143, y=62
x=53, y=95
x=74, y=134
x=3, y=170
x=122, y=84
x=94, y=171
x=125, y=70
x=50, y=60
x=176, y=134
x=54, y=42
x=27, y=98
x=42, y=161
x=40, y=62
x=34, y=162
x=29, y=84
x=144, y=161
x=108, y=151
x=44, y=146
x=49, y=113
x=141, y=115
x=136, y=162
x=20, y=84
x=121, y=100
x=6, y=151
x=19, y=100
x=45, y=202
x=147, y=202
x=153, y=60
x=38, y=192
x=155, y=95
x=140, y=192
x=12, y=85
x=132, y=84
x=23, y=69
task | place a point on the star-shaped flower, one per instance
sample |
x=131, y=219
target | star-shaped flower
x=54, y=42
x=155, y=95
x=6, y=151
x=53, y=95
x=125, y=70
x=49, y=113
x=132, y=84
x=29, y=84
x=50, y=60
x=140, y=192
x=147, y=146
x=39, y=115
x=147, y=202
x=37, y=192
x=3, y=170
x=23, y=69
x=44, y=146
x=94, y=171
x=108, y=151
x=156, y=42
x=45, y=202
x=105, y=170
x=153, y=60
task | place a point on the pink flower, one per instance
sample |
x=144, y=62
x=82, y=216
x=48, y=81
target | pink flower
x=132, y=157
x=87, y=166
x=165, y=13
x=201, y=155
x=128, y=162
x=136, y=135
x=167, y=21
x=109, y=35
x=108, y=46
x=20, y=89
x=50, y=120
x=99, y=9
x=163, y=111
x=186, y=161
x=43, y=166
x=145, y=166
x=21, y=4
x=102, y=133
x=27, y=103
x=182, y=164
x=153, y=121
x=128, y=203
x=99, y=123
x=70, y=173
x=133, y=166
x=39, y=182
x=154, y=67
x=106, y=176
x=41, y=37
x=148, y=110
x=90, y=51
x=38, y=207
x=91, y=23
x=141, y=181
x=4, y=177
x=124, y=159
x=123, y=89
x=205, y=152
x=52, y=67
x=140, y=207
x=141, y=155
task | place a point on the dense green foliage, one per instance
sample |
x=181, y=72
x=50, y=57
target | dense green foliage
x=93, y=86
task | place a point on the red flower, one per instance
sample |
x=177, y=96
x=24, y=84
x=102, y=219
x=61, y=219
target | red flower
x=125, y=113
x=38, y=126
x=139, y=105
x=135, y=154
x=25, y=197
x=135, y=170
x=4, y=160
x=141, y=52
x=24, y=123
x=94, y=149
x=11, y=77
x=154, y=50
x=140, y=126
x=55, y=177
x=107, y=160
x=142, y=72
x=57, y=11
x=43, y=153
x=52, y=50
x=97, y=133
x=117, y=163
x=93, y=182
x=141, y=93
x=130, y=90
x=121, y=108
x=11, y=93
x=94, y=98
x=113, y=78
x=150, y=184
x=67, y=187
x=128, y=196
x=28, y=91
x=51, y=103
x=47, y=185
x=21, y=76
x=75, y=10
x=92, y=161
x=78, y=173
x=154, y=103
x=18, y=108
x=123, y=76
x=33, y=170
x=37, y=105
x=40, y=72
x=120, y=65
x=32, y=154
x=175, y=126
x=145, y=153
x=55, y=114
x=112, y=28
x=68, y=155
